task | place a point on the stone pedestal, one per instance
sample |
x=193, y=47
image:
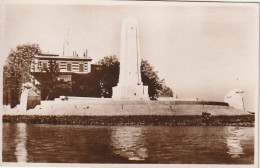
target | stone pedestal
x=130, y=85
x=135, y=92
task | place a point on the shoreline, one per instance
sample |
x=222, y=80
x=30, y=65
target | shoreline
x=166, y=120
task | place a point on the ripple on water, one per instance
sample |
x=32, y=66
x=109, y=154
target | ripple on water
x=127, y=144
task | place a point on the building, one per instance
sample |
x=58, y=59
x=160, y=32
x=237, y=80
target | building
x=68, y=66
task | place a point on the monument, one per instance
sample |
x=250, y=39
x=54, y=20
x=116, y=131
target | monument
x=130, y=84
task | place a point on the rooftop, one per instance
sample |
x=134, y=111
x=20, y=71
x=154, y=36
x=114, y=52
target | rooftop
x=43, y=56
x=47, y=54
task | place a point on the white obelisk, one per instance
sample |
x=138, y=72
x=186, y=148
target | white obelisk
x=130, y=85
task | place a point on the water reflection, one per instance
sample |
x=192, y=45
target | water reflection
x=20, y=150
x=234, y=138
x=129, y=142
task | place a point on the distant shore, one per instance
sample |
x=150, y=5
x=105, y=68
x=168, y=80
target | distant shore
x=187, y=120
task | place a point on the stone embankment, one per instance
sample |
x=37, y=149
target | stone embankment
x=190, y=120
x=91, y=111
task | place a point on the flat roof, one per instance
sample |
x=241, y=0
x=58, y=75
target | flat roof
x=61, y=73
x=43, y=54
x=57, y=57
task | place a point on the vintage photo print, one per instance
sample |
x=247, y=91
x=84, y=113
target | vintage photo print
x=129, y=84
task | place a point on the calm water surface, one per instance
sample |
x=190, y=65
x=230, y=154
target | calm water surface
x=127, y=144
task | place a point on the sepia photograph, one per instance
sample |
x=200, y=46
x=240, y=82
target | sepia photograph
x=167, y=83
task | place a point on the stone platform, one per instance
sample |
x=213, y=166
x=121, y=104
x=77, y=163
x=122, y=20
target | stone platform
x=76, y=106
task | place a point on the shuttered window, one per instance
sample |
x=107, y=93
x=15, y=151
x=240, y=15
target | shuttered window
x=44, y=66
x=68, y=67
x=81, y=67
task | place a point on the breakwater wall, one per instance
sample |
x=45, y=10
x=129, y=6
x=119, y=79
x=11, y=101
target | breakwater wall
x=190, y=120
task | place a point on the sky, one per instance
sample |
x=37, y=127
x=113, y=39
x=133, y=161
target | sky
x=202, y=50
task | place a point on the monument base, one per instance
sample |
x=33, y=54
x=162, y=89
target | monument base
x=135, y=92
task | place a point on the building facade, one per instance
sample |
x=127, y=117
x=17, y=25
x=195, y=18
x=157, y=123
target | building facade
x=68, y=67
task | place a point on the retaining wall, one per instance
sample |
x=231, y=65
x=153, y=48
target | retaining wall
x=191, y=120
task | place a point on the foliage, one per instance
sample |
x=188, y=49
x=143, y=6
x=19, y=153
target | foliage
x=166, y=92
x=106, y=76
x=16, y=71
x=51, y=80
x=107, y=73
x=98, y=83
x=150, y=78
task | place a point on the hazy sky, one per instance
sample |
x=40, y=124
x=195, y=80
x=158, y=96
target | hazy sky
x=201, y=49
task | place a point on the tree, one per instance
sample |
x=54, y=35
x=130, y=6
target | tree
x=50, y=81
x=107, y=74
x=150, y=78
x=166, y=92
x=16, y=71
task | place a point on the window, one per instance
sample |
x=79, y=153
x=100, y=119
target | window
x=81, y=67
x=68, y=66
x=44, y=66
x=58, y=65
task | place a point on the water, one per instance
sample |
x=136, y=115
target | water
x=44, y=143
